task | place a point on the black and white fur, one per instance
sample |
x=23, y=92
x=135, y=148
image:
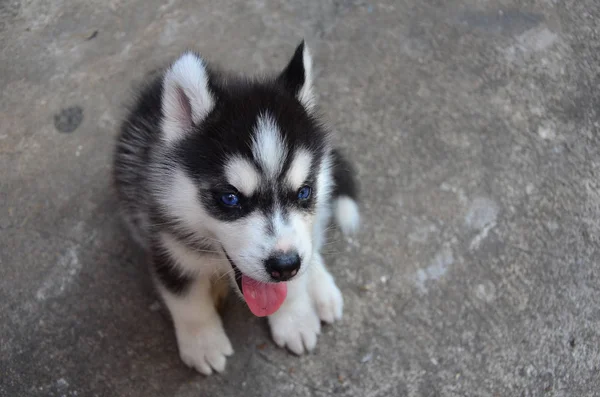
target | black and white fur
x=194, y=134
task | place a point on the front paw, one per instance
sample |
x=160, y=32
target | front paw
x=296, y=326
x=327, y=297
x=205, y=348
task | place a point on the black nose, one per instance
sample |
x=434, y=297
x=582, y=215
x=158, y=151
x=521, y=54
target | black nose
x=283, y=265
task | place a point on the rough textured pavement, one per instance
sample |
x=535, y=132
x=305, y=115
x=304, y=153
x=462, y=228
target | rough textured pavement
x=474, y=128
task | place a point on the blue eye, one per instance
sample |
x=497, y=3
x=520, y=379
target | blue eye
x=304, y=193
x=230, y=199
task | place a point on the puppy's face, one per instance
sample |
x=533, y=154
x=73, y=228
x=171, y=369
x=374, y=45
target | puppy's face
x=261, y=198
x=252, y=164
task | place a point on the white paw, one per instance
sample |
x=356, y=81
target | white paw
x=296, y=326
x=206, y=348
x=327, y=298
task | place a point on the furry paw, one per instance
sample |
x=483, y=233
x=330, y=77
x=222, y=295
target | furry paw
x=327, y=298
x=296, y=326
x=206, y=349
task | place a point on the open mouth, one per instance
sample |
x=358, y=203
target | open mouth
x=263, y=299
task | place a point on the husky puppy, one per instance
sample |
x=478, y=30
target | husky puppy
x=227, y=178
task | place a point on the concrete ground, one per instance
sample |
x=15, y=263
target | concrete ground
x=474, y=129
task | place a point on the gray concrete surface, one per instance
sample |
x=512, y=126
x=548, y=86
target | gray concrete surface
x=474, y=128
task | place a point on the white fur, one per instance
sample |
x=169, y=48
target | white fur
x=306, y=95
x=299, y=169
x=185, y=90
x=347, y=214
x=267, y=145
x=202, y=341
x=177, y=192
x=325, y=295
x=284, y=239
x=247, y=244
x=296, y=324
x=323, y=206
x=311, y=298
x=242, y=175
x=193, y=263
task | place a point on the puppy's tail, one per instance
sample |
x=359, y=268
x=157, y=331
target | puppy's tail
x=345, y=195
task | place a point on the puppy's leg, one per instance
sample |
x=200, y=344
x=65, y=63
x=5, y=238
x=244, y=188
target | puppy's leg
x=201, y=338
x=311, y=298
x=323, y=291
x=296, y=324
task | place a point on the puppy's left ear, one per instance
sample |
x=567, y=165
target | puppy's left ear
x=297, y=76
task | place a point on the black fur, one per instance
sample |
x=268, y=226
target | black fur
x=165, y=270
x=293, y=76
x=343, y=177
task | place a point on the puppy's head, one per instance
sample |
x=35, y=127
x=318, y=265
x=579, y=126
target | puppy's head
x=251, y=168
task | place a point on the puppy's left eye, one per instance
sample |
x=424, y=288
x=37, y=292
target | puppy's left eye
x=230, y=199
x=304, y=193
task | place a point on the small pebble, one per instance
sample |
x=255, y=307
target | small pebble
x=366, y=358
x=262, y=346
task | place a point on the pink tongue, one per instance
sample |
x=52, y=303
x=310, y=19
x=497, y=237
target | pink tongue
x=263, y=299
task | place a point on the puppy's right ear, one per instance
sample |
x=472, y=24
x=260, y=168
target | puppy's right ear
x=186, y=98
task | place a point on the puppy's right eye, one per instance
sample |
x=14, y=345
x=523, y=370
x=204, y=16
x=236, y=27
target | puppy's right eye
x=304, y=193
x=230, y=199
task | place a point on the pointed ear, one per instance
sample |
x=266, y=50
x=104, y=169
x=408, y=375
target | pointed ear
x=186, y=98
x=297, y=76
